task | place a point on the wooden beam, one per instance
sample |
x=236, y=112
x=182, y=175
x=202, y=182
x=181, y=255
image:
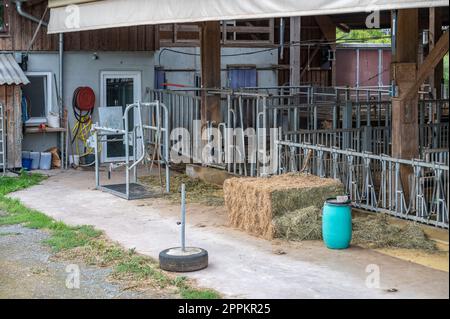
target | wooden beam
x=407, y=36
x=295, y=51
x=210, y=44
x=431, y=61
x=328, y=28
x=310, y=59
x=435, y=32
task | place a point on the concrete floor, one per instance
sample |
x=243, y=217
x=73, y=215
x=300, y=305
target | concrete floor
x=241, y=266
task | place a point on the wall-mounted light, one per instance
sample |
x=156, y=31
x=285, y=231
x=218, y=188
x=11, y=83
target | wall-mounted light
x=425, y=37
x=95, y=56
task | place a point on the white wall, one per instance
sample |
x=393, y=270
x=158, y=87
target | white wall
x=176, y=61
x=80, y=69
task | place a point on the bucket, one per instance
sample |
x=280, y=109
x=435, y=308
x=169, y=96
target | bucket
x=46, y=161
x=36, y=157
x=53, y=120
x=26, y=154
x=74, y=160
x=27, y=163
x=337, y=224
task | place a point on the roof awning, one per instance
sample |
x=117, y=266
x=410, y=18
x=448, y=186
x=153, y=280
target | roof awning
x=77, y=15
x=10, y=71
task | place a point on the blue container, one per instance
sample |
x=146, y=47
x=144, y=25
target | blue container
x=36, y=157
x=337, y=224
x=27, y=163
x=45, y=163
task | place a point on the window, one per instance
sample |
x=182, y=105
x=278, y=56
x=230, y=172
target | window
x=37, y=97
x=160, y=78
x=242, y=76
x=4, y=26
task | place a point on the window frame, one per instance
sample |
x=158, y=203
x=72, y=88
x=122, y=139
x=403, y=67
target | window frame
x=49, y=99
x=4, y=32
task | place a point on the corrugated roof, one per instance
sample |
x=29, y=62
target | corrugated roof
x=10, y=71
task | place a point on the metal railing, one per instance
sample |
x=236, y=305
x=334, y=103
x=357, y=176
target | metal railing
x=183, y=107
x=149, y=133
x=363, y=125
x=374, y=182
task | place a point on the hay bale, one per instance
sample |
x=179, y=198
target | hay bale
x=254, y=203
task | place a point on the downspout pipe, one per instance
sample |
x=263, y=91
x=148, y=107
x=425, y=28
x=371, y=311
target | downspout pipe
x=282, y=32
x=26, y=15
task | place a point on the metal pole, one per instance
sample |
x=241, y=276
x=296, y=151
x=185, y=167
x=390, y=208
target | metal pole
x=97, y=161
x=127, y=154
x=183, y=217
x=64, y=151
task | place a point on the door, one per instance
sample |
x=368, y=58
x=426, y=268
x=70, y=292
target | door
x=119, y=89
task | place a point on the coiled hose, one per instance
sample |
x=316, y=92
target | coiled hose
x=83, y=103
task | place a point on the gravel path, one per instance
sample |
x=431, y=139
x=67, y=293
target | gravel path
x=27, y=271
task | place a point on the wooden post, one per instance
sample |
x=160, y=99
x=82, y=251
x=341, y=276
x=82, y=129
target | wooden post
x=405, y=120
x=11, y=97
x=405, y=141
x=435, y=32
x=295, y=51
x=211, y=68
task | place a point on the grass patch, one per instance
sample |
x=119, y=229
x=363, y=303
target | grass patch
x=64, y=237
x=197, y=191
x=189, y=293
x=90, y=246
x=14, y=184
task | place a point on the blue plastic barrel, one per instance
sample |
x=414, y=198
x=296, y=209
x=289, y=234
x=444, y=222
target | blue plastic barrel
x=337, y=224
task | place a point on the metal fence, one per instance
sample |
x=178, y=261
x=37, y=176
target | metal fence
x=333, y=132
x=360, y=120
x=374, y=182
x=183, y=106
x=315, y=94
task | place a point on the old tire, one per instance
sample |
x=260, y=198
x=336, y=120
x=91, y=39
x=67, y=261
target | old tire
x=175, y=260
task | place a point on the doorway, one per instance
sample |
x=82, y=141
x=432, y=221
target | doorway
x=119, y=89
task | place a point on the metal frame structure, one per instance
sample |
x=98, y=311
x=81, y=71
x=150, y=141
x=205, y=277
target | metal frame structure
x=152, y=124
x=355, y=147
x=373, y=181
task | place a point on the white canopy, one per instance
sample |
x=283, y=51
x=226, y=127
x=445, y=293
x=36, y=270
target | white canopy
x=119, y=13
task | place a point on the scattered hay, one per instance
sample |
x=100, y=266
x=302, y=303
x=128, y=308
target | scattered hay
x=197, y=191
x=303, y=224
x=253, y=203
x=373, y=231
x=377, y=232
